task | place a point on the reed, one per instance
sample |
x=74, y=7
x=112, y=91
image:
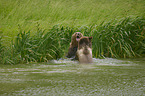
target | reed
x=71, y=13
x=42, y=46
x=1, y=47
x=123, y=38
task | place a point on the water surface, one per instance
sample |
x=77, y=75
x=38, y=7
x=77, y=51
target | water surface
x=111, y=77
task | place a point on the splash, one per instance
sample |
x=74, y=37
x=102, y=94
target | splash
x=106, y=61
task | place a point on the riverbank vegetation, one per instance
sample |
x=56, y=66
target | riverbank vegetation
x=38, y=31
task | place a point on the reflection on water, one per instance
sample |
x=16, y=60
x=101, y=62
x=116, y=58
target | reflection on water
x=65, y=77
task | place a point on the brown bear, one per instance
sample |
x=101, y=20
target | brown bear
x=84, y=52
x=74, y=44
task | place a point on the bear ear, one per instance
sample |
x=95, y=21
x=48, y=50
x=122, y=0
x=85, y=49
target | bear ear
x=90, y=38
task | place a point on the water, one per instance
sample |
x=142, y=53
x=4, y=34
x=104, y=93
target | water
x=105, y=77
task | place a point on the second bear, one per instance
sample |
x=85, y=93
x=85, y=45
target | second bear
x=84, y=52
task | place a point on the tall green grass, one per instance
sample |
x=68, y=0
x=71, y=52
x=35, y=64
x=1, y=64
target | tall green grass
x=118, y=39
x=1, y=46
x=73, y=13
x=40, y=47
x=40, y=30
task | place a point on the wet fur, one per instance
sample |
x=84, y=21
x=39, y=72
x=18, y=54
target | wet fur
x=74, y=44
x=84, y=52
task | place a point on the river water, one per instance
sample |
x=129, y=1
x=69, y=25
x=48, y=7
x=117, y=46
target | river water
x=104, y=77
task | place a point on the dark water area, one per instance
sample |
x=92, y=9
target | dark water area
x=105, y=77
